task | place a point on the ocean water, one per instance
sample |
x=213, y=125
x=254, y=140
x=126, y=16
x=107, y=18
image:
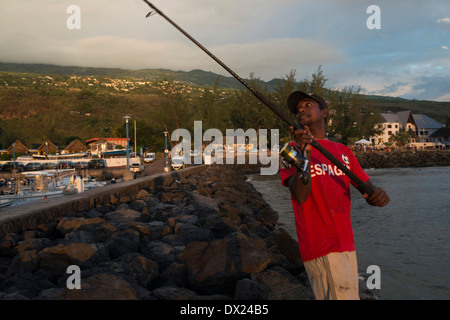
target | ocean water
x=409, y=239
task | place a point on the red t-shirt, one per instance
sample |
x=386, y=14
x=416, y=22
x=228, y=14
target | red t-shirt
x=323, y=221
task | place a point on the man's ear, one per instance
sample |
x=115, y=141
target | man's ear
x=325, y=113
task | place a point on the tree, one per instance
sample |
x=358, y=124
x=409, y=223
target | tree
x=400, y=139
x=348, y=119
x=174, y=111
x=245, y=110
x=70, y=139
x=207, y=107
x=370, y=118
x=290, y=84
x=148, y=137
x=317, y=84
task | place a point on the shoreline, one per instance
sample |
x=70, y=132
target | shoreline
x=200, y=234
x=205, y=235
x=368, y=160
x=401, y=159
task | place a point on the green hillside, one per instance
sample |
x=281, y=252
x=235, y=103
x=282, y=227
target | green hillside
x=437, y=110
x=39, y=102
x=195, y=77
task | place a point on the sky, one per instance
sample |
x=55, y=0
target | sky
x=400, y=48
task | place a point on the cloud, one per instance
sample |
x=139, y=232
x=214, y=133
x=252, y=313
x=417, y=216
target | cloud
x=397, y=89
x=278, y=56
x=420, y=88
x=431, y=86
x=444, y=22
x=264, y=58
x=117, y=35
x=267, y=37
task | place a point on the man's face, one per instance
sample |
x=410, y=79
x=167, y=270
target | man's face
x=309, y=112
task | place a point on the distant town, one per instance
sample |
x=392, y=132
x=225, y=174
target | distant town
x=160, y=104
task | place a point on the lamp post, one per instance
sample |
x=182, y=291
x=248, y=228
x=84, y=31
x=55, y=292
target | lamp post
x=14, y=157
x=135, y=143
x=128, y=143
x=166, y=151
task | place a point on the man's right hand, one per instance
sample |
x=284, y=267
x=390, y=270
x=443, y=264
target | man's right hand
x=302, y=137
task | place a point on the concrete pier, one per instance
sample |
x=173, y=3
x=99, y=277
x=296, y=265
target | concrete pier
x=29, y=216
x=202, y=233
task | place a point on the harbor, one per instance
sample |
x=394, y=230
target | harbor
x=147, y=225
x=22, y=187
x=157, y=223
x=192, y=206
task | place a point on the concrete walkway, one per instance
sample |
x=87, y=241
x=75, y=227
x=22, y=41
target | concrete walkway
x=26, y=216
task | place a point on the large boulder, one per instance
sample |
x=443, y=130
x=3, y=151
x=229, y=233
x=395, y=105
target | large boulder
x=143, y=270
x=214, y=267
x=123, y=216
x=102, y=286
x=278, y=284
x=57, y=259
x=123, y=242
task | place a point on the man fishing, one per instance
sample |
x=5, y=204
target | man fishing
x=321, y=203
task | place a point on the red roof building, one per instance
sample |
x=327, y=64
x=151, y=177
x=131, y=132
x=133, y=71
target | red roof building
x=111, y=141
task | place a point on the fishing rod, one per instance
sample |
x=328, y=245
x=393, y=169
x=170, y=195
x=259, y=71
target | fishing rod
x=361, y=185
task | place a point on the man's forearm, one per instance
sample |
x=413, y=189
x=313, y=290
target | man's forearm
x=299, y=190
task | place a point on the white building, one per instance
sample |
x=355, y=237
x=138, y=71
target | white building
x=390, y=124
x=442, y=135
x=419, y=126
x=425, y=127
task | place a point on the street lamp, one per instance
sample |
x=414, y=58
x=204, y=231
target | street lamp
x=135, y=143
x=166, y=151
x=14, y=157
x=128, y=143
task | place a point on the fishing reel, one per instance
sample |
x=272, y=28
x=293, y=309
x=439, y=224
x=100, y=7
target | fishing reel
x=293, y=156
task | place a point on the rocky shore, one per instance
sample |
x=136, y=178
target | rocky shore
x=207, y=236
x=397, y=159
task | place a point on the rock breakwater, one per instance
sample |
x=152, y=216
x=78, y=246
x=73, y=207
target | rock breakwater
x=399, y=159
x=204, y=235
x=208, y=235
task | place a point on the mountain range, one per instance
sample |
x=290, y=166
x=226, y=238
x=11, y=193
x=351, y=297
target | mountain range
x=196, y=77
x=437, y=110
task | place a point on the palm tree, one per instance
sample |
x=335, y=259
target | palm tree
x=400, y=139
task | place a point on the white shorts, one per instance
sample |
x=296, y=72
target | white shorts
x=334, y=276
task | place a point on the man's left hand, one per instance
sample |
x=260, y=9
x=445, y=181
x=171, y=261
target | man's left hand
x=378, y=198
